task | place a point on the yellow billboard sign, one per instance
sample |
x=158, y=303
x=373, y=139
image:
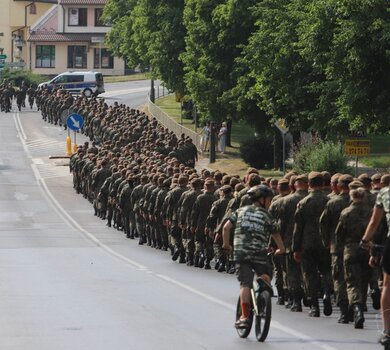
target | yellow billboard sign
x=357, y=147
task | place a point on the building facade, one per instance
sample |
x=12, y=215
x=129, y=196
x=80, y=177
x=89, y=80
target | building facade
x=70, y=37
x=16, y=18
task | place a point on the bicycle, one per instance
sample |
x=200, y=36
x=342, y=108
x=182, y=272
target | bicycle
x=261, y=309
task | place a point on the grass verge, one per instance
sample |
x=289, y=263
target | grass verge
x=231, y=162
x=376, y=161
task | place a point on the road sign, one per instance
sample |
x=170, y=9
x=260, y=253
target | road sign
x=281, y=125
x=75, y=122
x=15, y=64
x=357, y=147
x=97, y=39
x=3, y=57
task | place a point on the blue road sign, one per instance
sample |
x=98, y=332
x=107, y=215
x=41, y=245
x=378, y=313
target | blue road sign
x=75, y=122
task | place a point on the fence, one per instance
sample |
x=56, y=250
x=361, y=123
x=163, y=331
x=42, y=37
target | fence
x=172, y=125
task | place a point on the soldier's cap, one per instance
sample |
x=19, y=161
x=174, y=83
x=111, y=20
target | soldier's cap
x=355, y=184
x=325, y=175
x=365, y=178
x=226, y=189
x=302, y=177
x=335, y=178
x=376, y=177
x=283, y=181
x=209, y=182
x=315, y=175
x=196, y=182
x=290, y=173
x=345, y=179
x=167, y=183
x=385, y=179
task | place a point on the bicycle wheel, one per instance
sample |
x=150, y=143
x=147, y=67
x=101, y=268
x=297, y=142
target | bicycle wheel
x=263, y=319
x=243, y=332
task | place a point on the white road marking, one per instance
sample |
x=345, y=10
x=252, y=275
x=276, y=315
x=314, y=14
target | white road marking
x=74, y=224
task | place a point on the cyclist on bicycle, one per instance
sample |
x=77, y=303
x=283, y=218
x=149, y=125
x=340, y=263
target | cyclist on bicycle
x=382, y=209
x=253, y=226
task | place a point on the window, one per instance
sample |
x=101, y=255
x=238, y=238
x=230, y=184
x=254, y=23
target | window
x=77, y=57
x=105, y=58
x=98, y=18
x=45, y=56
x=77, y=17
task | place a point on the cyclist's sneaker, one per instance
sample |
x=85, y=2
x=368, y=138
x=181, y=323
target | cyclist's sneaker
x=385, y=338
x=242, y=323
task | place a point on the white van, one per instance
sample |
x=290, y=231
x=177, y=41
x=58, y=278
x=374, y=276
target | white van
x=88, y=83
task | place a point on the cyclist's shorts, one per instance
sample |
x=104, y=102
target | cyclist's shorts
x=245, y=271
x=386, y=257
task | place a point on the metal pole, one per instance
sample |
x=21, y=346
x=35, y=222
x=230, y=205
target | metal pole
x=195, y=118
x=357, y=167
x=100, y=55
x=212, y=143
x=181, y=112
x=152, y=92
x=284, y=152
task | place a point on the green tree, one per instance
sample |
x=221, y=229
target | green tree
x=149, y=33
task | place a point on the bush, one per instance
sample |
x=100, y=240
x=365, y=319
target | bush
x=258, y=152
x=320, y=155
x=16, y=76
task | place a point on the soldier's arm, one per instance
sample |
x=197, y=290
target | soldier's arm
x=324, y=227
x=298, y=230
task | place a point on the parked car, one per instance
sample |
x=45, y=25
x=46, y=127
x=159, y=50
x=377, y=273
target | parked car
x=87, y=83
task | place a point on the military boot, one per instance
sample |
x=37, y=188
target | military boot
x=297, y=304
x=327, y=304
x=344, y=318
x=182, y=259
x=217, y=263
x=375, y=294
x=201, y=262
x=196, y=261
x=176, y=254
x=207, y=265
x=358, y=316
x=281, y=295
x=222, y=267
x=314, y=308
x=289, y=298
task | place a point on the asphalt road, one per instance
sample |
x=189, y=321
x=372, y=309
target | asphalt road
x=69, y=282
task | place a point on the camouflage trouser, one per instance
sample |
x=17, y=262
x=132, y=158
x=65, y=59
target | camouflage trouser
x=140, y=223
x=189, y=243
x=176, y=236
x=294, y=273
x=313, y=261
x=357, y=273
x=340, y=288
x=203, y=245
x=218, y=251
x=161, y=233
x=280, y=270
x=132, y=221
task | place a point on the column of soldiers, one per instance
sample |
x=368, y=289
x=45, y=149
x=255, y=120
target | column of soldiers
x=8, y=92
x=140, y=179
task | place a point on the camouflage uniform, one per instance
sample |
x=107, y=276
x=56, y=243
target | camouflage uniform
x=306, y=239
x=187, y=202
x=253, y=227
x=294, y=275
x=203, y=244
x=328, y=223
x=213, y=222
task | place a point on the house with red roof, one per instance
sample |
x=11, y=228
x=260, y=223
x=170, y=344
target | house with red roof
x=70, y=37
